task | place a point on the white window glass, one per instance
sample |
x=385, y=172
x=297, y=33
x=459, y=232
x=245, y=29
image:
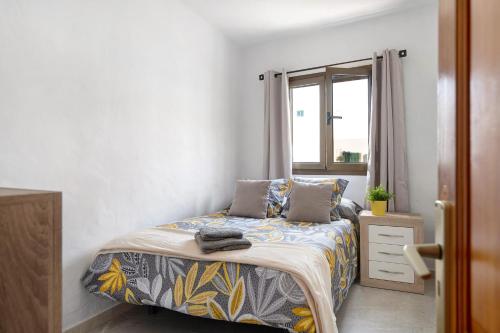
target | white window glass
x=350, y=121
x=306, y=126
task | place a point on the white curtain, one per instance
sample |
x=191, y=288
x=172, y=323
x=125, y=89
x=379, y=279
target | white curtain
x=387, y=162
x=277, y=131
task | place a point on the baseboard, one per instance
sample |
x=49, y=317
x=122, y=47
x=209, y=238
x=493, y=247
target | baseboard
x=100, y=319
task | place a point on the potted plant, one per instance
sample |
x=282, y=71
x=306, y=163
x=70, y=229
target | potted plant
x=378, y=197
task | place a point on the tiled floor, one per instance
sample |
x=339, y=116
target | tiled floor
x=370, y=310
x=366, y=310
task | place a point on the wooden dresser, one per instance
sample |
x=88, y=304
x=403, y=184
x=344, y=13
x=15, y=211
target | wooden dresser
x=30, y=261
x=383, y=264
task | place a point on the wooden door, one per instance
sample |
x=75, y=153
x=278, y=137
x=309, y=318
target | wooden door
x=453, y=158
x=485, y=165
x=469, y=161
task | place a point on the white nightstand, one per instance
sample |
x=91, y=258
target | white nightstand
x=382, y=239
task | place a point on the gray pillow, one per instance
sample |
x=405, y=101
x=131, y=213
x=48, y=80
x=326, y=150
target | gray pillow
x=338, y=187
x=250, y=198
x=350, y=210
x=310, y=203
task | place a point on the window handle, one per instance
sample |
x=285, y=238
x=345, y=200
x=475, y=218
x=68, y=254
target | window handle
x=330, y=117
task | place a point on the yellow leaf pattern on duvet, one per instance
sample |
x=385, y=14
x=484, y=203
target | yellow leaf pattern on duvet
x=228, y=281
x=208, y=274
x=237, y=299
x=226, y=277
x=202, y=297
x=331, y=260
x=197, y=310
x=130, y=297
x=266, y=227
x=215, y=311
x=178, y=291
x=191, y=276
x=187, y=287
x=341, y=255
x=114, y=280
x=249, y=319
x=343, y=280
x=301, y=312
x=306, y=324
x=215, y=223
x=217, y=215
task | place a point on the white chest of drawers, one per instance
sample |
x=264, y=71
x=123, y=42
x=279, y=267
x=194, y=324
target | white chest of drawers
x=382, y=239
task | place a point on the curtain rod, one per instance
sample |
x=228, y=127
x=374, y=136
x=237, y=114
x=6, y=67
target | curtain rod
x=401, y=53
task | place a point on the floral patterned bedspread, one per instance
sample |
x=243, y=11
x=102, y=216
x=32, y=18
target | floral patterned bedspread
x=230, y=291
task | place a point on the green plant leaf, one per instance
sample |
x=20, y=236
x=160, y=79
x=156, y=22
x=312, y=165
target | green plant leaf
x=378, y=193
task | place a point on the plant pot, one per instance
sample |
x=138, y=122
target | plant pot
x=379, y=207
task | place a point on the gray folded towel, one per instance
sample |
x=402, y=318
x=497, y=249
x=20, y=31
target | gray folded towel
x=227, y=244
x=213, y=234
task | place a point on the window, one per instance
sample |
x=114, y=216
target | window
x=330, y=114
x=307, y=104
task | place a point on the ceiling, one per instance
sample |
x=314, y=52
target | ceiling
x=253, y=21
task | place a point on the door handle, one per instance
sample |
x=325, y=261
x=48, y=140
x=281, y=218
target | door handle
x=414, y=254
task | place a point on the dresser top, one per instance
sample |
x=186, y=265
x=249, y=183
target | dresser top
x=11, y=192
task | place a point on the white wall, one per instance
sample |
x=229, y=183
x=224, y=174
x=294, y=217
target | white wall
x=128, y=107
x=414, y=30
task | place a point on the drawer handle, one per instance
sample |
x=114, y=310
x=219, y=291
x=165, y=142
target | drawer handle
x=391, y=254
x=389, y=272
x=389, y=235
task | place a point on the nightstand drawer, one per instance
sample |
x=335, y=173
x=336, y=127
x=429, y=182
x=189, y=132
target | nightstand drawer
x=390, y=271
x=386, y=252
x=390, y=235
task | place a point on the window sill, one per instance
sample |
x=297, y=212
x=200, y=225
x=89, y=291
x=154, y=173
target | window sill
x=328, y=172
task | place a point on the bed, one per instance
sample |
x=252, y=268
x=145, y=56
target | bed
x=295, y=276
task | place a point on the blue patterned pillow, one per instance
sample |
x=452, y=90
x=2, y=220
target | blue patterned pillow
x=277, y=191
x=338, y=187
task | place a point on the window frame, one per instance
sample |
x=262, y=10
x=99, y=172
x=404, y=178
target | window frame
x=305, y=81
x=327, y=165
